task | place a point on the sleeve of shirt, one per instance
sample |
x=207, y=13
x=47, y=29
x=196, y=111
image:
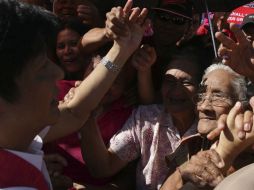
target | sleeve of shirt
x=126, y=143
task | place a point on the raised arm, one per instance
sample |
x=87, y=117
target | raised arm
x=93, y=40
x=89, y=93
x=142, y=60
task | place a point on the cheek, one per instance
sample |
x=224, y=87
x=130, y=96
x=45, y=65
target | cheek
x=220, y=110
x=76, y=51
x=59, y=54
x=41, y=93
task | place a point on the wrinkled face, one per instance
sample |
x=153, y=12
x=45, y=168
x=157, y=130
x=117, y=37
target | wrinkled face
x=68, y=52
x=217, y=99
x=37, y=104
x=179, y=87
x=168, y=28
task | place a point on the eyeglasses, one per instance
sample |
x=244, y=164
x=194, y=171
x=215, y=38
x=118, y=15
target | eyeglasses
x=215, y=99
x=171, y=19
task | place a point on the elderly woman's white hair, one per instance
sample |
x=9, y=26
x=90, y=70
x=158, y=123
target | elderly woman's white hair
x=239, y=83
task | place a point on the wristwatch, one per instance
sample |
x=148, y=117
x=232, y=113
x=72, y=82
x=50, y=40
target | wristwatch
x=109, y=65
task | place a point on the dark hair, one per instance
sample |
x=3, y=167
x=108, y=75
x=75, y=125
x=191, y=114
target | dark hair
x=25, y=32
x=196, y=52
x=75, y=25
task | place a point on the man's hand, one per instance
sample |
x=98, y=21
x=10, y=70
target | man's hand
x=203, y=169
x=238, y=55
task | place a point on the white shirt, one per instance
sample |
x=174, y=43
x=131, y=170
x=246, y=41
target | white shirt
x=34, y=156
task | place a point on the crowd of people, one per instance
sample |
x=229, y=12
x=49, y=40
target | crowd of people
x=126, y=96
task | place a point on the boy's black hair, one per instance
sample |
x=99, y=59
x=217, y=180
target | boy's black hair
x=25, y=32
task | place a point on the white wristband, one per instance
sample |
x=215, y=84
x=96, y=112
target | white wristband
x=109, y=65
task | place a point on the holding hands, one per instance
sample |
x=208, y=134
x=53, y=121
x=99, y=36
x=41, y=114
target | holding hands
x=127, y=25
x=243, y=121
x=230, y=145
x=203, y=169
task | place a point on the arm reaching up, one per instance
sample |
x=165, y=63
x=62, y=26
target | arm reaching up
x=88, y=94
x=142, y=60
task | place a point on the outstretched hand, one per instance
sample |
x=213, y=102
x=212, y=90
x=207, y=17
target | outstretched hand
x=238, y=55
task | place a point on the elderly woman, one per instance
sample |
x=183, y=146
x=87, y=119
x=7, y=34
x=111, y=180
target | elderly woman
x=220, y=89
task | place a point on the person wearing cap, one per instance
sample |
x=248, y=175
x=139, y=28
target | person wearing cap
x=171, y=19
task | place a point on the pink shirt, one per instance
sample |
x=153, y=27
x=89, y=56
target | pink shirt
x=149, y=134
